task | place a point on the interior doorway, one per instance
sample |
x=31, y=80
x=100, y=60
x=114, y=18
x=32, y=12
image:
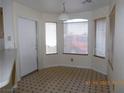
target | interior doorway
x=1, y=30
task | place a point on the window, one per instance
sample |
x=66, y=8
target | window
x=100, y=37
x=51, y=47
x=76, y=36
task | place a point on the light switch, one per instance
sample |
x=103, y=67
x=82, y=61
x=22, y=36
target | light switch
x=9, y=38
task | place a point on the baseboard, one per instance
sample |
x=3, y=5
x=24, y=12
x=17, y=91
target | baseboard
x=86, y=67
x=50, y=66
x=15, y=86
x=97, y=70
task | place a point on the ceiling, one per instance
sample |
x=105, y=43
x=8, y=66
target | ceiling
x=55, y=6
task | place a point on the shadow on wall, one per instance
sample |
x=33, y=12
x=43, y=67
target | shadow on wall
x=1, y=30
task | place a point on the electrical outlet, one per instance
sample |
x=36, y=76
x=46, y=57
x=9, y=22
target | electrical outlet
x=72, y=59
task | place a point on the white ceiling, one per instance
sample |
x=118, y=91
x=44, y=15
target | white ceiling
x=55, y=6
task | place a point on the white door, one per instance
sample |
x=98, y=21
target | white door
x=27, y=45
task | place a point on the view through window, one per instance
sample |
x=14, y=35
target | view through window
x=100, y=37
x=76, y=36
x=51, y=42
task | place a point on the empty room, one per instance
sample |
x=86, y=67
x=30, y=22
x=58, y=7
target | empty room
x=61, y=46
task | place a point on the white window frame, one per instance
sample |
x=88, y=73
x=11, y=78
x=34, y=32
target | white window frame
x=56, y=40
x=99, y=56
x=78, y=21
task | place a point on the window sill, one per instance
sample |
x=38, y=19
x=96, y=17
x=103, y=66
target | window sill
x=99, y=57
x=75, y=54
x=52, y=54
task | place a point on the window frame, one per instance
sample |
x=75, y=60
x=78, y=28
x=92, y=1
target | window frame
x=95, y=55
x=87, y=42
x=56, y=39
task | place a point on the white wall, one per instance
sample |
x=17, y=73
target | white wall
x=63, y=59
x=51, y=60
x=1, y=44
x=23, y=11
x=59, y=59
x=110, y=71
x=118, y=63
x=99, y=64
x=8, y=41
x=112, y=3
x=8, y=23
x=89, y=61
x=1, y=3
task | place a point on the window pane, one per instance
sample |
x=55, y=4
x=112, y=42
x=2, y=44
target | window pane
x=76, y=37
x=100, y=37
x=51, y=38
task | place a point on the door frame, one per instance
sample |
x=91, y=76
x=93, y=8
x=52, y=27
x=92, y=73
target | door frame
x=110, y=59
x=18, y=45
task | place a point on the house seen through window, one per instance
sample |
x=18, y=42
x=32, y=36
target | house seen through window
x=76, y=36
